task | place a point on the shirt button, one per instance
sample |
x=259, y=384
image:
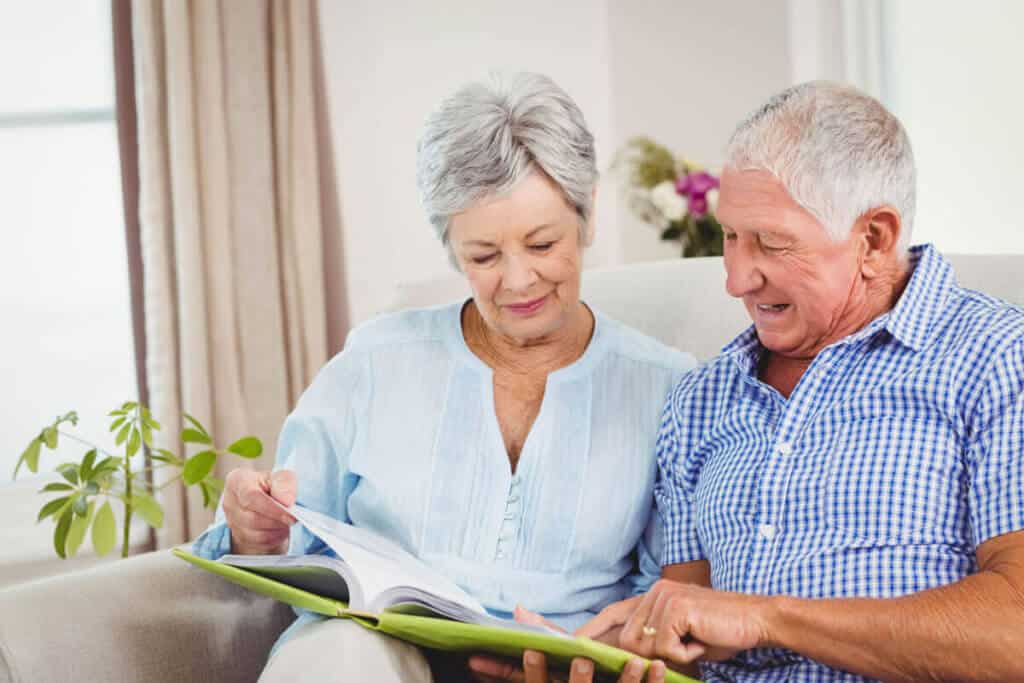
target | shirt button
x=784, y=448
x=767, y=531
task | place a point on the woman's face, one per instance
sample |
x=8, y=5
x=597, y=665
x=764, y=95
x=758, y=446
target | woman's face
x=522, y=255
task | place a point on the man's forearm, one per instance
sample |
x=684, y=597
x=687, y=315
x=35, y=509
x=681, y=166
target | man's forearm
x=972, y=630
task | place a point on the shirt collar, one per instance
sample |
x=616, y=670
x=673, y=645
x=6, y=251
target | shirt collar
x=909, y=322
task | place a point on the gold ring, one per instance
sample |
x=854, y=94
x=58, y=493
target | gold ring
x=650, y=631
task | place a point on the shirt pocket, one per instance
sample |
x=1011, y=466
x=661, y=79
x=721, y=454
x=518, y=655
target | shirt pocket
x=893, y=477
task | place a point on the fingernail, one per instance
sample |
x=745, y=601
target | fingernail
x=583, y=666
x=532, y=658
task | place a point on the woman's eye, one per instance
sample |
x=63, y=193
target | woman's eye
x=482, y=260
x=541, y=246
x=730, y=236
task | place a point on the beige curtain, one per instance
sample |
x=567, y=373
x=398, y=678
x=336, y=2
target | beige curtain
x=241, y=301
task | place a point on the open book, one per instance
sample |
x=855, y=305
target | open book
x=381, y=586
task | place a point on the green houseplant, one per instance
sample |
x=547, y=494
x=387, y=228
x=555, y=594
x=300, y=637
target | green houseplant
x=83, y=499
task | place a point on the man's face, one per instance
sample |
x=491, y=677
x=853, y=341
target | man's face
x=802, y=289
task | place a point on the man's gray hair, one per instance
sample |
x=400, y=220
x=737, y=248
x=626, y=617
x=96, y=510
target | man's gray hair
x=487, y=136
x=837, y=151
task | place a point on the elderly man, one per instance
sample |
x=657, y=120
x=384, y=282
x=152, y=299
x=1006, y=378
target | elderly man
x=843, y=488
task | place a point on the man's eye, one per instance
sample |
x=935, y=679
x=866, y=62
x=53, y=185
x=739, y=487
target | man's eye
x=731, y=236
x=541, y=246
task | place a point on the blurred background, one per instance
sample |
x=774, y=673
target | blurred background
x=201, y=198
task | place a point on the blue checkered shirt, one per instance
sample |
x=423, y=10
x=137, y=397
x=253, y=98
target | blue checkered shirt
x=898, y=453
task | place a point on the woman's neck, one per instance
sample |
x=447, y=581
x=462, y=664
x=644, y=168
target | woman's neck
x=546, y=354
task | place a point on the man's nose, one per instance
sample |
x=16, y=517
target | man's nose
x=742, y=274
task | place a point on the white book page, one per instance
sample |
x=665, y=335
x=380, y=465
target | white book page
x=380, y=564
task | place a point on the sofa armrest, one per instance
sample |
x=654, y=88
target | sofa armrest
x=148, y=618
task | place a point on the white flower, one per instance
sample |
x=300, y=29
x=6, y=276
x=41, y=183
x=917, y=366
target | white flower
x=671, y=205
x=712, y=197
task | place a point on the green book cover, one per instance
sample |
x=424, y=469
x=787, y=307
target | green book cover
x=431, y=632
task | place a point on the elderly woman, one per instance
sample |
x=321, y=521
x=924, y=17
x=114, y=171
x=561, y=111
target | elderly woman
x=506, y=440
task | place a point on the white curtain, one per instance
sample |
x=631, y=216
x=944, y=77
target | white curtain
x=231, y=145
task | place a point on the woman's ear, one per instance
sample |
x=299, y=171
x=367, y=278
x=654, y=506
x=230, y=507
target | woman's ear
x=881, y=229
x=588, y=227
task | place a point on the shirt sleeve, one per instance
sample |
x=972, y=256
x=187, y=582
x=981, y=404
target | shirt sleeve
x=674, y=488
x=315, y=443
x=648, y=555
x=995, y=453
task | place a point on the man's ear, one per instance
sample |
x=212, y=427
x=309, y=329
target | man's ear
x=880, y=231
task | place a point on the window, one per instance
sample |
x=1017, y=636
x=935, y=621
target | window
x=64, y=299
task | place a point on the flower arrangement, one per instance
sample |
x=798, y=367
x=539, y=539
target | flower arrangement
x=673, y=194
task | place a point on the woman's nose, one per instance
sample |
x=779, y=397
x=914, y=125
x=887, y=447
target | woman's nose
x=519, y=274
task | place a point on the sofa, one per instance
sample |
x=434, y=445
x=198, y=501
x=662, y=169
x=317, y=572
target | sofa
x=153, y=618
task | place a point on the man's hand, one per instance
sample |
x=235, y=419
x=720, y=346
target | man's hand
x=682, y=622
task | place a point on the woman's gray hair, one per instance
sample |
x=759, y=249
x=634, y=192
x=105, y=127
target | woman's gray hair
x=487, y=136
x=837, y=151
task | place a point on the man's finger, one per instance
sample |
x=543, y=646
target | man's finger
x=636, y=636
x=608, y=618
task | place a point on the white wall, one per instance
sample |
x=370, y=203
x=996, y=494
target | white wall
x=954, y=78
x=388, y=64
x=681, y=70
x=686, y=72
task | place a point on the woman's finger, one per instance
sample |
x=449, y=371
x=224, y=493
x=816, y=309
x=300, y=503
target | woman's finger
x=494, y=669
x=535, y=667
x=610, y=617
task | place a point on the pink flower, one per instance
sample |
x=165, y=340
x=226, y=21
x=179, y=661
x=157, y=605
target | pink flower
x=695, y=186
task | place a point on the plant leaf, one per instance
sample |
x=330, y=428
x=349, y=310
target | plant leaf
x=133, y=443
x=76, y=534
x=80, y=506
x=30, y=457
x=153, y=424
x=198, y=466
x=164, y=455
x=85, y=469
x=50, y=437
x=149, y=509
x=91, y=488
x=195, y=436
x=147, y=434
x=247, y=447
x=195, y=423
x=60, y=534
x=70, y=472
x=204, y=487
x=52, y=507
x=114, y=413
x=123, y=434
x=116, y=424
x=56, y=486
x=104, y=530
x=128, y=405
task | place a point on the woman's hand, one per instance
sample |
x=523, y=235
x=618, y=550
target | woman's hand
x=258, y=526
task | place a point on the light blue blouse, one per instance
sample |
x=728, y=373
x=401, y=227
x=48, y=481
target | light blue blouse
x=398, y=434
